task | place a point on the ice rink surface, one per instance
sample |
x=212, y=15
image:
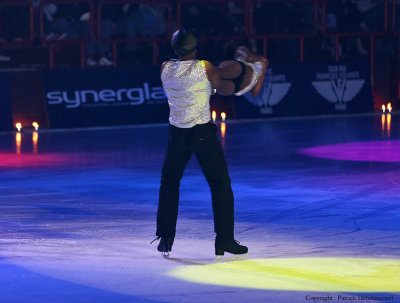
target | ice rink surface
x=317, y=201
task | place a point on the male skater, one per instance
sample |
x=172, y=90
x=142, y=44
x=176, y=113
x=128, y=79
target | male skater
x=188, y=84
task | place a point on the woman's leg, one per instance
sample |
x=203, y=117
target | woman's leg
x=226, y=71
x=226, y=88
x=230, y=69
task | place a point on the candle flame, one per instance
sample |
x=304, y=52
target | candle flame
x=389, y=107
x=18, y=126
x=214, y=115
x=223, y=116
x=35, y=125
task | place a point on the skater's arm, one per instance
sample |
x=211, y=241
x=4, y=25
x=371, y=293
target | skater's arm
x=252, y=57
x=212, y=74
x=257, y=88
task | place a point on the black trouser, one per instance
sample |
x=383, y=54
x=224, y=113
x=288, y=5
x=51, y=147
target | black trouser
x=202, y=140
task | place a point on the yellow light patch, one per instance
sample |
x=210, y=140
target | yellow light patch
x=300, y=274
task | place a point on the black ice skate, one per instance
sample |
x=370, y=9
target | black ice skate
x=232, y=247
x=165, y=245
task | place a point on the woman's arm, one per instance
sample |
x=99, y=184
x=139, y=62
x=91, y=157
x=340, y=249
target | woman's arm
x=257, y=88
x=251, y=58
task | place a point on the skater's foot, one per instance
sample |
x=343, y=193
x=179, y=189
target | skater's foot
x=232, y=247
x=165, y=244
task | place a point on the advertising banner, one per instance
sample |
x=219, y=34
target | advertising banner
x=6, y=121
x=104, y=96
x=134, y=95
x=310, y=89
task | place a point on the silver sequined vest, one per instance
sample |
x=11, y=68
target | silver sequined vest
x=188, y=90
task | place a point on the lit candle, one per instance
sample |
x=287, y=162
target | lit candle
x=383, y=108
x=223, y=116
x=214, y=115
x=35, y=126
x=18, y=126
x=389, y=107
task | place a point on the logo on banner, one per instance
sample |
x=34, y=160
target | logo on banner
x=273, y=91
x=338, y=85
x=108, y=97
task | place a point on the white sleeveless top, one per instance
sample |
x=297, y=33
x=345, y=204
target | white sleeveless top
x=257, y=69
x=188, y=91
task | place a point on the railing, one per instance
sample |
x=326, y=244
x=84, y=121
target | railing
x=217, y=10
x=370, y=34
x=140, y=40
x=222, y=5
x=52, y=44
x=396, y=31
x=300, y=35
x=248, y=27
x=24, y=40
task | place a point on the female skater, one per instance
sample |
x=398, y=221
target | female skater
x=244, y=72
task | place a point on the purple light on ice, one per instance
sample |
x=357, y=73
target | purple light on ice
x=372, y=151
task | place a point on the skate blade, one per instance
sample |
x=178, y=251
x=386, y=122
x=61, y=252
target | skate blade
x=165, y=254
x=230, y=259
